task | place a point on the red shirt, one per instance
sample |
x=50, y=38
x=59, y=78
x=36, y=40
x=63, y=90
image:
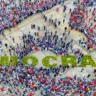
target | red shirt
x=57, y=90
x=94, y=82
x=94, y=94
x=30, y=94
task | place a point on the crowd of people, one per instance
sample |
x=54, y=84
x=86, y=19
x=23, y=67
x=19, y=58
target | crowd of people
x=60, y=45
x=23, y=80
x=80, y=18
x=52, y=42
x=28, y=81
x=14, y=12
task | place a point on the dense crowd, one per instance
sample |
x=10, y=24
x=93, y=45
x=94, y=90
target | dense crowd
x=26, y=80
x=53, y=42
x=80, y=18
x=23, y=80
x=12, y=12
x=49, y=41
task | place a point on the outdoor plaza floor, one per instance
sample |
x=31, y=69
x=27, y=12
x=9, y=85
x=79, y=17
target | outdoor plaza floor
x=25, y=27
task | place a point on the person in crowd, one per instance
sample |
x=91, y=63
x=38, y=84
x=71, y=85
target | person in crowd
x=26, y=80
